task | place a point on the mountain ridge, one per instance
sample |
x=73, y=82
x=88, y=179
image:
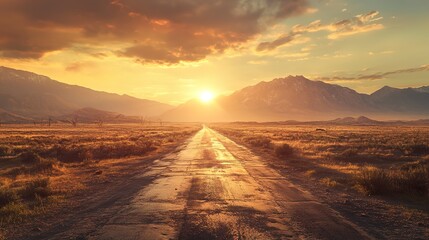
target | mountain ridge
x=25, y=95
x=298, y=98
x=37, y=96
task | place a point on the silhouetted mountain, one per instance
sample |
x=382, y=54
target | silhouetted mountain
x=35, y=96
x=296, y=97
x=88, y=115
x=362, y=120
x=423, y=89
x=25, y=96
x=8, y=117
x=407, y=100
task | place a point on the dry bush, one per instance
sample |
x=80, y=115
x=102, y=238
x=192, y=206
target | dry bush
x=30, y=157
x=5, y=150
x=70, y=153
x=123, y=149
x=376, y=181
x=45, y=165
x=7, y=196
x=258, y=141
x=284, y=150
x=417, y=150
x=38, y=188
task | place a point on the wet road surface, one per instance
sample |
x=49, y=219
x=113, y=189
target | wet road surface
x=215, y=189
x=209, y=188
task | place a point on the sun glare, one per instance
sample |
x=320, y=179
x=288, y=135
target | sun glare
x=206, y=96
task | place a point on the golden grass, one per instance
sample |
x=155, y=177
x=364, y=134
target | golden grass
x=42, y=165
x=398, y=156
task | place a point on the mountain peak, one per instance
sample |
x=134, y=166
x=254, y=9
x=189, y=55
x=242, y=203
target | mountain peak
x=292, y=78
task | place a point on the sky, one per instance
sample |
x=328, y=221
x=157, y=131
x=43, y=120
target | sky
x=171, y=50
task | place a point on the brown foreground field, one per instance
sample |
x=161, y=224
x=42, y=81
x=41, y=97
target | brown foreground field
x=59, y=177
x=44, y=169
x=376, y=175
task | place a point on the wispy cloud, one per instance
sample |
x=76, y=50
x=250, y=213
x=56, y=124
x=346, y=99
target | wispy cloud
x=347, y=27
x=375, y=76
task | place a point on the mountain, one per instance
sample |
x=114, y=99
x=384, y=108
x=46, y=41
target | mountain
x=407, y=100
x=295, y=97
x=34, y=96
x=25, y=96
x=9, y=117
x=88, y=115
x=298, y=98
x=362, y=120
x=423, y=89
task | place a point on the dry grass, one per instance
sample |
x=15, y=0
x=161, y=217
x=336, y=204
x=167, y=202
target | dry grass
x=380, y=160
x=376, y=181
x=38, y=165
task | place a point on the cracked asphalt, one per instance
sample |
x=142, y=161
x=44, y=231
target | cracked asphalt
x=215, y=189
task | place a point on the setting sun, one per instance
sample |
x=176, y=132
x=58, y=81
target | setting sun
x=206, y=96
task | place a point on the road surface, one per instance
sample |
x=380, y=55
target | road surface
x=214, y=188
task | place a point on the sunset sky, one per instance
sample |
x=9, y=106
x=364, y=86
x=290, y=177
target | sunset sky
x=171, y=50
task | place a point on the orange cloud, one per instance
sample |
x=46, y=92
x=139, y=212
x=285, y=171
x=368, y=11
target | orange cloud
x=164, y=32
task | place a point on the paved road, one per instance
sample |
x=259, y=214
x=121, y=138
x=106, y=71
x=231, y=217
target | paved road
x=216, y=189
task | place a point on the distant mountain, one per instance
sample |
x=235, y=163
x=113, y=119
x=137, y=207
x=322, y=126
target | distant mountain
x=34, y=96
x=405, y=101
x=423, y=89
x=8, y=117
x=88, y=115
x=296, y=97
x=362, y=120
x=25, y=96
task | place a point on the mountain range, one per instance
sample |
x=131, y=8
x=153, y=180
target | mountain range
x=296, y=97
x=25, y=96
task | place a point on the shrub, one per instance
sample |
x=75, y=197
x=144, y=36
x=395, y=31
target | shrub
x=418, y=150
x=44, y=165
x=374, y=181
x=30, y=157
x=284, y=151
x=38, y=188
x=7, y=196
x=258, y=141
x=386, y=182
x=73, y=153
x=414, y=180
x=5, y=150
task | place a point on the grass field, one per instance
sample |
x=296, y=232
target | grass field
x=374, y=160
x=40, y=165
x=46, y=168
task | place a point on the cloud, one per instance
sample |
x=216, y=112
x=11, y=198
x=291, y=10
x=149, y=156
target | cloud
x=79, y=66
x=375, y=76
x=347, y=27
x=285, y=39
x=359, y=24
x=163, y=32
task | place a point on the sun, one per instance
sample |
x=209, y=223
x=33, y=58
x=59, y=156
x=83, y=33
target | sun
x=206, y=96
